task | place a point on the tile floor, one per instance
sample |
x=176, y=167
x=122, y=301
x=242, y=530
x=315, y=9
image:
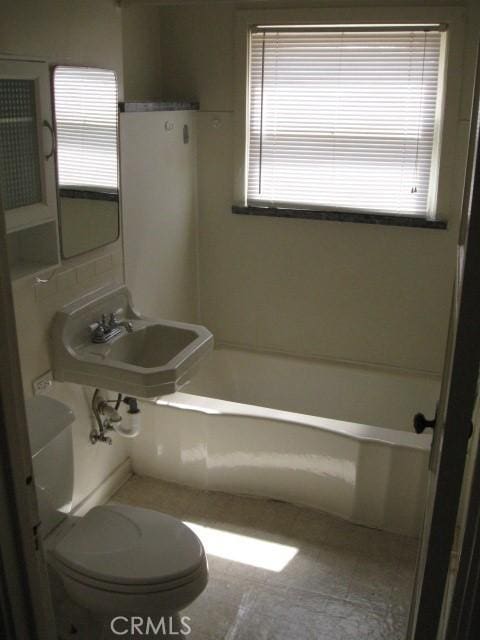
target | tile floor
x=345, y=582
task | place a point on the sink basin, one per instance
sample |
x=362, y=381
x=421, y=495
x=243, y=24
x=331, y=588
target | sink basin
x=154, y=346
x=156, y=358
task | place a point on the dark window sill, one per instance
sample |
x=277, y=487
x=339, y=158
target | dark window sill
x=88, y=194
x=158, y=105
x=342, y=216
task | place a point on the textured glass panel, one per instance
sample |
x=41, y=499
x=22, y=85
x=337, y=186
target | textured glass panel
x=19, y=160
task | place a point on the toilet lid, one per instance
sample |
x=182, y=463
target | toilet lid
x=128, y=545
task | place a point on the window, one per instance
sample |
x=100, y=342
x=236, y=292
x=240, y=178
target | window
x=344, y=118
x=86, y=115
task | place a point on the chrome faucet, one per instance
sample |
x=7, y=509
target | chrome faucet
x=105, y=330
x=120, y=323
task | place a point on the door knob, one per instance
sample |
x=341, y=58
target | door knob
x=420, y=422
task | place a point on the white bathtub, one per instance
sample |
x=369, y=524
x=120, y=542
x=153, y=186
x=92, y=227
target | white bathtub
x=335, y=437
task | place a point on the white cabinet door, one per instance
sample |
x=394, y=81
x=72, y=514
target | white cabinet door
x=27, y=163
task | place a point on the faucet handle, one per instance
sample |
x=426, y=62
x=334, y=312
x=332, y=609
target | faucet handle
x=97, y=330
x=114, y=317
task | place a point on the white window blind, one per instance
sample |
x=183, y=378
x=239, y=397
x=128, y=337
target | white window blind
x=86, y=114
x=344, y=119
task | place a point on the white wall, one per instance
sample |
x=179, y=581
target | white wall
x=363, y=293
x=80, y=33
x=64, y=32
x=142, y=61
x=159, y=180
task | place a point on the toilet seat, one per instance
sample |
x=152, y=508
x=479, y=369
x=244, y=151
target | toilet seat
x=130, y=550
x=128, y=589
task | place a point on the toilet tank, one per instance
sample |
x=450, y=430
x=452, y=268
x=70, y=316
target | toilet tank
x=51, y=443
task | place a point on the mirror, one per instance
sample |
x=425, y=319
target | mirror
x=86, y=126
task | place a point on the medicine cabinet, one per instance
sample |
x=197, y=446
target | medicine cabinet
x=27, y=166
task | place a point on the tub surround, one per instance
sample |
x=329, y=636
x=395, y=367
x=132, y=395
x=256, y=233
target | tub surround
x=338, y=291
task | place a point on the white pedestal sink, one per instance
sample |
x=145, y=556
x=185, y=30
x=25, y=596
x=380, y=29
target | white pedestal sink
x=156, y=358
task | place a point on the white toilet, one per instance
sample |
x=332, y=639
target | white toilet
x=117, y=560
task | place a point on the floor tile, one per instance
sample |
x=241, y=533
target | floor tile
x=343, y=581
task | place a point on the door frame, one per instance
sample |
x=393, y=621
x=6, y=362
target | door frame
x=26, y=611
x=450, y=451
x=464, y=616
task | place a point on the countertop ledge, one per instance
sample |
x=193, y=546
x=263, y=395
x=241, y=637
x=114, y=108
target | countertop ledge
x=342, y=216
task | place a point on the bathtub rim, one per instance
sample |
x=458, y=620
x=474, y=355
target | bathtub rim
x=368, y=434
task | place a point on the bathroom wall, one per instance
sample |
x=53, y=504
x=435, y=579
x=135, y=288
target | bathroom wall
x=60, y=31
x=159, y=178
x=80, y=33
x=159, y=181
x=358, y=293
x=142, y=60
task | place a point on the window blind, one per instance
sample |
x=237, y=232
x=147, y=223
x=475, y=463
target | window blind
x=343, y=119
x=86, y=115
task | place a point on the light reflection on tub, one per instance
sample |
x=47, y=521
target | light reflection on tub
x=317, y=464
